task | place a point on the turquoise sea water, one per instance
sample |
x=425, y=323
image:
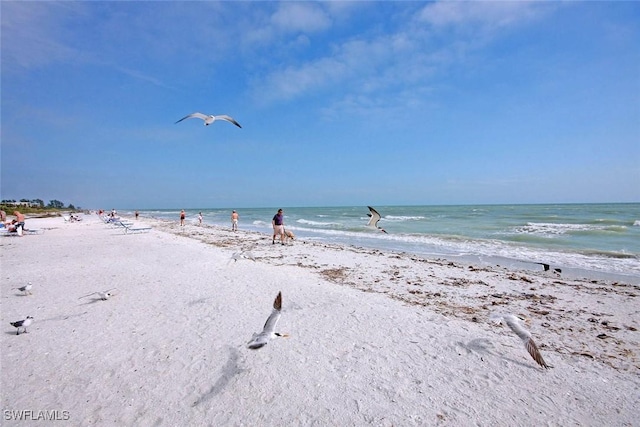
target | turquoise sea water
x=598, y=238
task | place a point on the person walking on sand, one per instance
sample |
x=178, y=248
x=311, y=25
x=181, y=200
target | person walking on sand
x=199, y=218
x=278, y=226
x=234, y=221
x=182, y=217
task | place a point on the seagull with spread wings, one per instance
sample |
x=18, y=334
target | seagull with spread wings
x=268, y=333
x=515, y=324
x=209, y=119
x=374, y=217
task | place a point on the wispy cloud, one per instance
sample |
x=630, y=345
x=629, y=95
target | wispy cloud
x=33, y=33
x=142, y=76
x=365, y=67
x=300, y=17
x=282, y=25
x=293, y=81
x=488, y=15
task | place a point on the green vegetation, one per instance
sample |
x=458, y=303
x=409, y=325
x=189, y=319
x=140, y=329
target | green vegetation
x=36, y=206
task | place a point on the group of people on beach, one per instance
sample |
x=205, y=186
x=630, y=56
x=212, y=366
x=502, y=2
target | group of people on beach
x=277, y=222
x=110, y=217
x=234, y=219
x=15, y=225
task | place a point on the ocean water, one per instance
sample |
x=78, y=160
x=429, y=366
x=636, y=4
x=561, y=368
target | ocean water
x=602, y=240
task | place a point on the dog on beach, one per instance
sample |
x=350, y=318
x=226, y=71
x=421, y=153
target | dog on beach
x=288, y=235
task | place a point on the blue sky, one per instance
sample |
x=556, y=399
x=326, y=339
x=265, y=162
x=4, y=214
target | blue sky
x=341, y=103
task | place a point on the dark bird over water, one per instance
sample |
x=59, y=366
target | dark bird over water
x=374, y=218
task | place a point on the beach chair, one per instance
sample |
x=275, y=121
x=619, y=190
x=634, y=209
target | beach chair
x=131, y=228
x=118, y=223
x=31, y=231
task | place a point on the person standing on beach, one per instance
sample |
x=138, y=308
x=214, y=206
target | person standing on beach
x=199, y=218
x=182, y=217
x=234, y=221
x=278, y=226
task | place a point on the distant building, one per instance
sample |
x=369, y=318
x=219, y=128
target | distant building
x=14, y=203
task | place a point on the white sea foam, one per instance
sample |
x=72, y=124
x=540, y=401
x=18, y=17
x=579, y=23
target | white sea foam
x=552, y=229
x=483, y=248
x=592, y=237
x=318, y=223
x=403, y=218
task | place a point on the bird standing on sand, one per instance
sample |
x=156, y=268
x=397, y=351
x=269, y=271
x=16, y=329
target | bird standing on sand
x=268, y=333
x=515, y=324
x=22, y=324
x=374, y=218
x=209, y=119
x=26, y=288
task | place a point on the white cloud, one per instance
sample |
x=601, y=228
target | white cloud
x=300, y=17
x=366, y=67
x=293, y=81
x=267, y=29
x=492, y=14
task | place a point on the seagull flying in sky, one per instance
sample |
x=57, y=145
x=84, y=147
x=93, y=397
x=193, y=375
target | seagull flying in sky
x=209, y=119
x=268, y=333
x=26, y=288
x=22, y=324
x=515, y=323
x=374, y=218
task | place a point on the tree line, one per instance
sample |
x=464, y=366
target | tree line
x=38, y=203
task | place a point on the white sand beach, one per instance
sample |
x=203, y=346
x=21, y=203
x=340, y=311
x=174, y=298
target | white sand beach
x=382, y=339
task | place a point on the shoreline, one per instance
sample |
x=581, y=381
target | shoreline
x=470, y=259
x=375, y=338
